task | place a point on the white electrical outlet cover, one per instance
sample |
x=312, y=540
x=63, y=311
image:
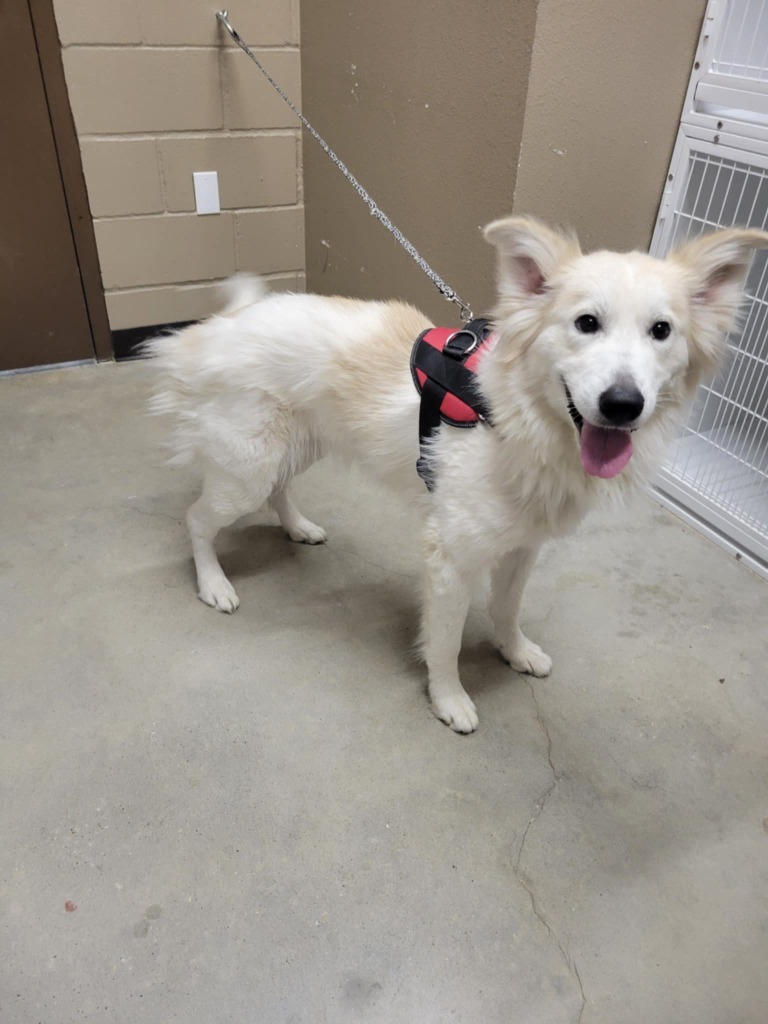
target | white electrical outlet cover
x=206, y=191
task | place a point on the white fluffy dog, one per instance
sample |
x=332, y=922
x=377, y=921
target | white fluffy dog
x=591, y=359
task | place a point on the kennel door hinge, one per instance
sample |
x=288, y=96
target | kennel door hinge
x=666, y=202
x=711, y=18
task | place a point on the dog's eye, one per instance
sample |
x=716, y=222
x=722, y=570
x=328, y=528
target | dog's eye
x=661, y=330
x=588, y=324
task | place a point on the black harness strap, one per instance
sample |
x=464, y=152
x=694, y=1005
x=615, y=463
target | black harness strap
x=432, y=396
x=446, y=372
x=452, y=376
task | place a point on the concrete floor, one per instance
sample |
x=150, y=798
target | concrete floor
x=256, y=819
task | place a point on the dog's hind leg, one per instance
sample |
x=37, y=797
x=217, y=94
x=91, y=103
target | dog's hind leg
x=224, y=500
x=297, y=526
x=230, y=490
x=507, y=584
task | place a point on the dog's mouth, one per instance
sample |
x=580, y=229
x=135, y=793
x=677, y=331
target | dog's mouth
x=604, y=451
x=575, y=415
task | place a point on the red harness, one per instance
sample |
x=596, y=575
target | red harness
x=443, y=365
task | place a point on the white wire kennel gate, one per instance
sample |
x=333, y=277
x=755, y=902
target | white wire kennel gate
x=716, y=474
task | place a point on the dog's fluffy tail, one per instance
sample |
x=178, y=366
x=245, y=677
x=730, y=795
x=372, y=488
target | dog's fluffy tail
x=242, y=290
x=236, y=293
x=191, y=359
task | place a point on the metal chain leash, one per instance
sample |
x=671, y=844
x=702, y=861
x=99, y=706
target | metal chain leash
x=444, y=289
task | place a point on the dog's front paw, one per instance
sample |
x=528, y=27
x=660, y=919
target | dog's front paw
x=306, y=532
x=458, y=711
x=527, y=657
x=219, y=594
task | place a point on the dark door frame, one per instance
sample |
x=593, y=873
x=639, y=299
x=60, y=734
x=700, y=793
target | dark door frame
x=71, y=168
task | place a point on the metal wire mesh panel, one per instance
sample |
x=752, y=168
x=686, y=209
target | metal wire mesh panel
x=722, y=457
x=742, y=51
x=716, y=475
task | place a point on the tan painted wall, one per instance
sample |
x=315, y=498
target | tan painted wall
x=424, y=101
x=431, y=106
x=607, y=84
x=155, y=96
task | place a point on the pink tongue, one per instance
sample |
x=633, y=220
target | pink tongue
x=604, y=452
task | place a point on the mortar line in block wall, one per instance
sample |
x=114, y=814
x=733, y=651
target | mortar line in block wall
x=298, y=160
x=267, y=277
x=233, y=235
x=255, y=209
x=299, y=173
x=192, y=134
x=296, y=21
x=222, y=91
x=168, y=214
x=276, y=48
x=161, y=175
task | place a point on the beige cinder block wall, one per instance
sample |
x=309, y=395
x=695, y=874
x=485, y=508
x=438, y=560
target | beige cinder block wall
x=454, y=113
x=159, y=91
x=608, y=78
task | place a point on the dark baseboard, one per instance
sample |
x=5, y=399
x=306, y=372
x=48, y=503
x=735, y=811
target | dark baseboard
x=126, y=344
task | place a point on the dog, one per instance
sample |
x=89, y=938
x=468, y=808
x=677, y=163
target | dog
x=592, y=361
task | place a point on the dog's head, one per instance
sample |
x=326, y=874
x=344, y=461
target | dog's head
x=614, y=342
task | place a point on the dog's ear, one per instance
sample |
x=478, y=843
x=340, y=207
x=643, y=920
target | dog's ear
x=715, y=267
x=529, y=253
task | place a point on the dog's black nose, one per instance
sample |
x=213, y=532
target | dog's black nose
x=621, y=404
